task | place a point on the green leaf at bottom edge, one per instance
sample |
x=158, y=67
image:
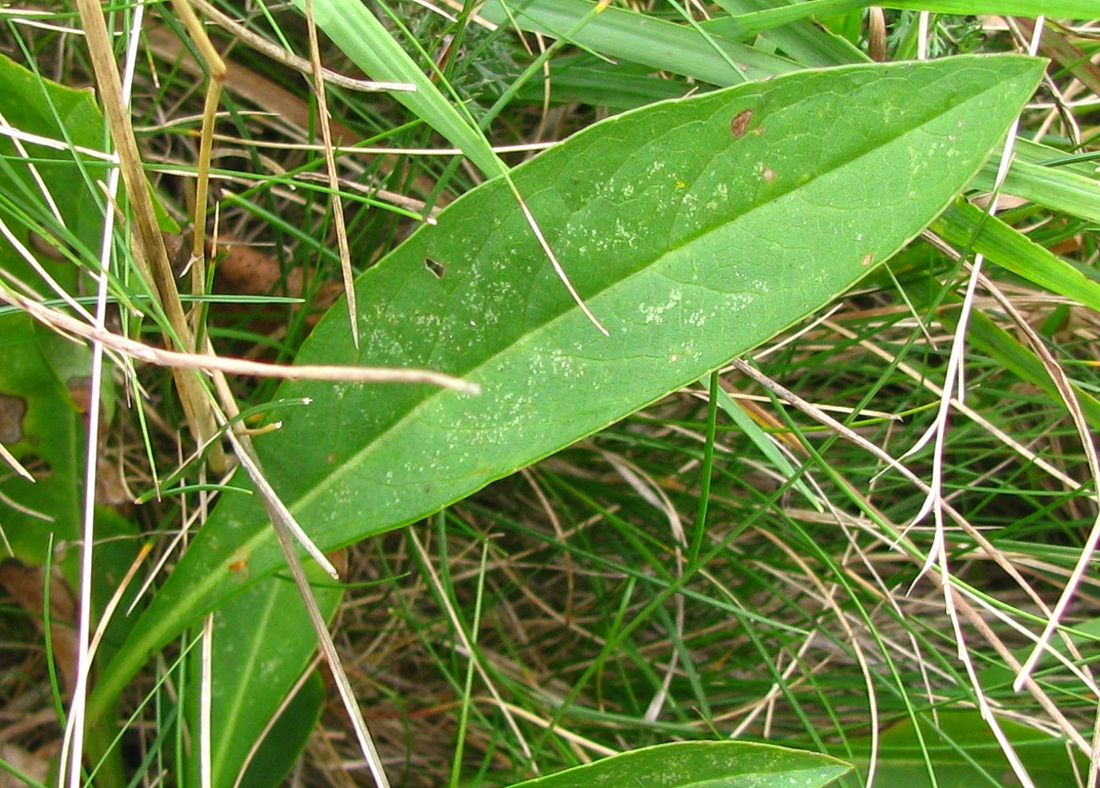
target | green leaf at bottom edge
x=703, y=764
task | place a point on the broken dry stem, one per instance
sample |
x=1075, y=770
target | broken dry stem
x=208, y=362
x=216, y=69
x=150, y=241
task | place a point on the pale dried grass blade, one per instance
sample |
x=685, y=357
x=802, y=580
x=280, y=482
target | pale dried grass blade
x=336, y=200
x=211, y=363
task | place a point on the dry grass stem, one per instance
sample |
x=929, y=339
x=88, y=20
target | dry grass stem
x=61, y=322
x=335, y=200
x=151, y=242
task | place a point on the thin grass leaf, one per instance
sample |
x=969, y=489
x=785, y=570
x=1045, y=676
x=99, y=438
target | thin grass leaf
x=1064, y=9
x=584, y=79
x=969, y=227
x=1056, y=188
x=718, y=764
x=791, y=29
x=766, y=446
x=639, y=38
x=365, y=40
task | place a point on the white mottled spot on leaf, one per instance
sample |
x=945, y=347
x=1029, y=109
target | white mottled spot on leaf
x=655, y=313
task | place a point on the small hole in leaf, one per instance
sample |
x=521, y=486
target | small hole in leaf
x=437, y=268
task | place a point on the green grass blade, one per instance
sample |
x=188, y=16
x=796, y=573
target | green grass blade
x=790, y=28
x=1064, y=9
x=620, y=86
x=365, y=40
x=743, y=26
x=760, y=439
x=967, y=226
x=656, y=43
x=1056, y=188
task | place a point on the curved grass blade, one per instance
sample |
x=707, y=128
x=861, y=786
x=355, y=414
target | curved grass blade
x=638, y=38
x=354, y=28
x=969, y=227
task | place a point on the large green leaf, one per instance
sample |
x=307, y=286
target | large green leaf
x=703, y=764
x=50, y=196
x=43, y=427
x=694, y=230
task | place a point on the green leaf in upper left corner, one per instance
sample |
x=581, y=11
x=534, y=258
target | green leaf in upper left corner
x=49, y=198
x=68, y=212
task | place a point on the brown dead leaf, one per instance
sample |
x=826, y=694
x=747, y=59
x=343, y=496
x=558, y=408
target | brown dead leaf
x=35, y=765
x=25, y=585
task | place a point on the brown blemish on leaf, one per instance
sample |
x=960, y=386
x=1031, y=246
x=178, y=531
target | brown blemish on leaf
x=868, y=259
x=12, y=411
x=238, y=564
x=739, y=123
x=768, y=174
